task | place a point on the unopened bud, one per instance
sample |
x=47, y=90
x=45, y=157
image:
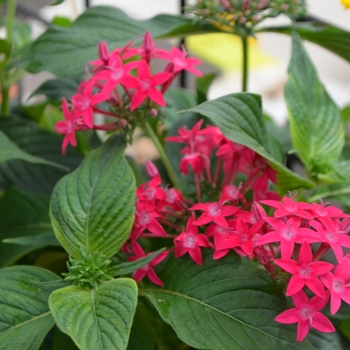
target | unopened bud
x=226, y=5
x=148, y=46
x=153, y=112
x=262, y=4
x=103, y=52
x=345, y=225
x=246, y=5
x=151, y=169
x=258, y=211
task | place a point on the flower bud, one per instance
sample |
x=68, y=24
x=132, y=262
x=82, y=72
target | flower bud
x=258, y=211
x=153, y=112
x=246, y=5
x=226, y=5
x=103, y=52
x=262, y=4
x=148, y=46
x=151, y=169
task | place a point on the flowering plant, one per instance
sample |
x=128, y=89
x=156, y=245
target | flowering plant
x=230, y=246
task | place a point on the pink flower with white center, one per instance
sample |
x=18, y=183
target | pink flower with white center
x=231, y=193
x=145, y=86
x=288, y=233
x=305, y=271
x=67, y=126
x=197, y=161
x=84, y=101
x=339, y=284
x=190, y=241
x=115, y=73
x=321, y=211
x=215, y=212
x=150, y=192
x=148, y=219
x=289, y=207
x=180, y=61
x=330, y=231
x=147, y=270
x=306, y=314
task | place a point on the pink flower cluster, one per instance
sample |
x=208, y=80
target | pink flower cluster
x=283, y=242
x=123, y=80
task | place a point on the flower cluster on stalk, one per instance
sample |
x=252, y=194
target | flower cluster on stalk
x=233, y=218
x=122, y=88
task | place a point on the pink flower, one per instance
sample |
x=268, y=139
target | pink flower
x=67, y=126
x=190, y=241
x=305, y=271
x=148, y=219
x=180, y=61
x=289, y=207
x=147, y=270
x=287, y=233
x=339, y=284
x=215, y=212
x=306, y=314
x=84, y=101
x=145, y=86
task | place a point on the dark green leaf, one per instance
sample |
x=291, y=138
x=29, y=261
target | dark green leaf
x=26, y=215
x=240, y=119
x=94, y=206
x=55, y=89
x=130, y=267
x=56, y=2
x=316, y=123
x=62, y=341
x=25, y=317
x=142, y=335
x=202, y=86
x=346, y=114
x=5, y=47
x=324, y=341
x=222, y=305
x=96, y=319
x=78, y=43
x=9, y=151
x=330, y=37
x=40, y=143
x=42, y=240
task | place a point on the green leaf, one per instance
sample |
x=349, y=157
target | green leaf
x=62, y=341
x=42, y=240
x=96, y=319
x=5, y=46
x=324, y=341
x=55, y=89
x=29, y=137
x=94, y=206
x=9, y=151
x=26, y=215
x=316, y=122
x=326, y=35
x=25, y=317
x=202, y=86
x=78, y=43
x=130, y=267
x=142, y=335
x=239, y=117
x=222, y=305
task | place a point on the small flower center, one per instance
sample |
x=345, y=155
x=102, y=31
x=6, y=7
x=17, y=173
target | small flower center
x=306, y=313
x=338, y=285
x=143, y=218
x=117, y=74
x=145, y=85
x=331, y=236
x=214, y=209
x=305, y=271
x=180, y=62
x=288, y=233
x=170, y=196
x=190, y=241
x=150, y=193
x=82, y=103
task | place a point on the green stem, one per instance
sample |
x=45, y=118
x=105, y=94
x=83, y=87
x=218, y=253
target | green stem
x=5, y=107
x=5, y=89
x=245, y=63
x=11, y=11
x=162, y=154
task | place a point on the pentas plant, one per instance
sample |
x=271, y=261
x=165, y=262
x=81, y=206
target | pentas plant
x=289, y=243
x=122, y=88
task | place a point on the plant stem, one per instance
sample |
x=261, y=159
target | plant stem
x=5, y=89
x=245, y=63
x=11, y=11
x=162, y=154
